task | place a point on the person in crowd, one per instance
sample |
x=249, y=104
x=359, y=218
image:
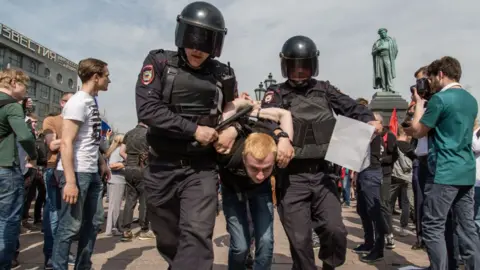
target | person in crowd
x=52, y=129
x=402, y=179
x=116, y=185
x=82, y=165
x=448, y=120
x=13, y=129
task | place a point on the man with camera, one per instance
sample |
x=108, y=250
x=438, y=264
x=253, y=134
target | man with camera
x=448, y=121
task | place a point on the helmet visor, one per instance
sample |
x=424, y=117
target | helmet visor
x=198, y=38
x=299, y=69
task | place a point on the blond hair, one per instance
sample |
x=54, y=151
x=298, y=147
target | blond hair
x=475, y=124
x=259, y=145
x=7, y=76
x=117, y=142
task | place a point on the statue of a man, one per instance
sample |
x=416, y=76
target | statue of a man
x=384, y=53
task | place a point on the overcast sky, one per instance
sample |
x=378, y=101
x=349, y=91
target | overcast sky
x=122, y=32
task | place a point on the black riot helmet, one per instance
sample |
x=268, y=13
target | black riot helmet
x=299, y=58
x=201, y=26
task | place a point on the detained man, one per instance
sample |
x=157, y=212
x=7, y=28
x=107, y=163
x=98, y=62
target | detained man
x=245, y=170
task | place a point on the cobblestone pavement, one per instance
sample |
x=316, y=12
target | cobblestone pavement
x=111, y=254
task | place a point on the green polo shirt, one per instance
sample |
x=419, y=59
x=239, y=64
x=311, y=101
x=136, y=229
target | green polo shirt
x=450, y=114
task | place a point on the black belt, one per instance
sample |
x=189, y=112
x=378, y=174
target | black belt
x=182, y=161
x=307, y=166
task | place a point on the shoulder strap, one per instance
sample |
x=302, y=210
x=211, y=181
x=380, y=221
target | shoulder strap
x=168, y=72
x=4, y=102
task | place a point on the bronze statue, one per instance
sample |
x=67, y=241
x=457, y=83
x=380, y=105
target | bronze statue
x=384, y=53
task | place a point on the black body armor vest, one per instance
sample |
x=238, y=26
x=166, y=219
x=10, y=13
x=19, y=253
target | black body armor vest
x=313, y=119
x=197, y=97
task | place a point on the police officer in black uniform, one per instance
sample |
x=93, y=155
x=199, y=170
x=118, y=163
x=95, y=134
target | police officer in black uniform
x=308, y=197
x=179, y=96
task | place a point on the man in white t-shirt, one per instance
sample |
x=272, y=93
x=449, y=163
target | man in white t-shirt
x=82, y=210
x=476, y=152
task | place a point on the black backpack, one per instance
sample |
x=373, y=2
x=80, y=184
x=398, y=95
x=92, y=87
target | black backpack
x=42, y=151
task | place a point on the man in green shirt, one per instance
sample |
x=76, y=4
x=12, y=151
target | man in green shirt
x=448, y=122
x=13, y=128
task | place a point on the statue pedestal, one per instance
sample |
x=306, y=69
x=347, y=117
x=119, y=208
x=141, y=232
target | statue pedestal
x=384, y=102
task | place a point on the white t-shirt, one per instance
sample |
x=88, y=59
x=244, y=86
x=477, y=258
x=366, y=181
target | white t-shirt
x=82, y=107
x=476, y=152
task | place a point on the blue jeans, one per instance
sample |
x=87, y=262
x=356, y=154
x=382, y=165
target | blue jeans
x=83, y=218
x=346, y=189
x=50, y=211
x=439, y=201
x=11, y=207
x=476, y=209
x=261, y=209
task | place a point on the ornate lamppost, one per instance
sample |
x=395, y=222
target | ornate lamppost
x=259, y=92
x=269, y=81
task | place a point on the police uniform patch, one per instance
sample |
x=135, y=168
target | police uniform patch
x=268, y=97
x=147, y=74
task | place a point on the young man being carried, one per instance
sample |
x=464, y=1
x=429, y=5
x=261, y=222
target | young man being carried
x=245, y=170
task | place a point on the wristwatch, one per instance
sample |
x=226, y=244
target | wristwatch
x=282, y=134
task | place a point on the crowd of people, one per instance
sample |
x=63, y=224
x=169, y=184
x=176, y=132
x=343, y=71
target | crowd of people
x=194, y=130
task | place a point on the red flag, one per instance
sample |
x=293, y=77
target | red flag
x=393, y=125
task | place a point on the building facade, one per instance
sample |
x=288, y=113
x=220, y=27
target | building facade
x=51, y=74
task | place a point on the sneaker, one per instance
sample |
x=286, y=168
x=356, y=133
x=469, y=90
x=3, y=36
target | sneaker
x=148, y=235
x=115, y=232
x=390, y=242
x=127, y=236
x=71, y=259
x=48, y=265
x=402, y=232
x=362, y=249
x=372, y=257
x=15, y=264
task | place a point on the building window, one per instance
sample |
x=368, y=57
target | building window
x=15, y=60
x=56, y=110
x=2, y=54
x=33, y=67
x=59, y=78
x=70, y=83
x=32, y=89
x=44, y=90
x=43, y=109
x=57, y=95
x=47, y=73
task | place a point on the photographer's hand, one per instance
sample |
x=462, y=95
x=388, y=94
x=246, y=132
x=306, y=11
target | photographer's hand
x=419, y=101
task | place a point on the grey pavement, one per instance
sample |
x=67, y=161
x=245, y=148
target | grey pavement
x=111, y=254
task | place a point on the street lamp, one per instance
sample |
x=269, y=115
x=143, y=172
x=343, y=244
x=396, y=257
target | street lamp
x=269, y=81
x=260, y=92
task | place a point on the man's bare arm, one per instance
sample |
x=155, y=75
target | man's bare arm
x=69, y=133
x=277, y=115
x=123, y=151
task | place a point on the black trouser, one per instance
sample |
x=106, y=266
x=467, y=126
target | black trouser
x=134, y=192
x=181, y=205
x=369, y=208
x=306, y=201
x=36, y=189
x=399, y=190
x=386, y=205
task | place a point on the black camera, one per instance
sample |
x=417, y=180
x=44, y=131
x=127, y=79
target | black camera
x=423, y=88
